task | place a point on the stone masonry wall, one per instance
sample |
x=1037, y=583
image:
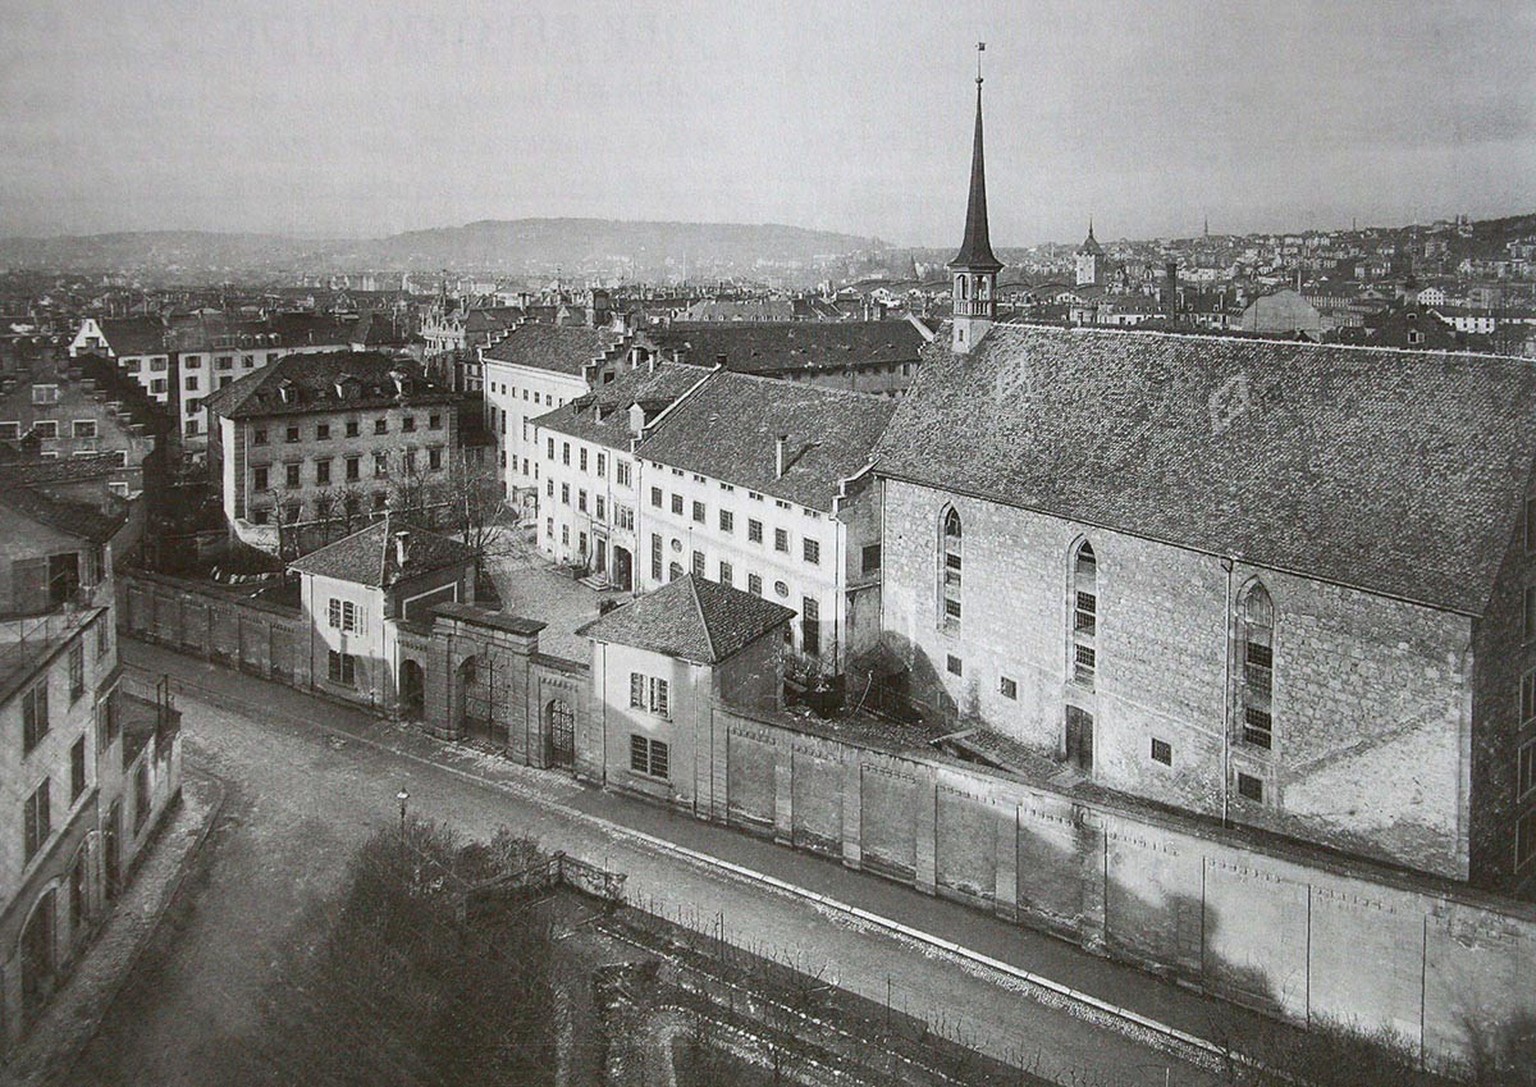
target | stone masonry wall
x=1371, y=700
x=1266, y=926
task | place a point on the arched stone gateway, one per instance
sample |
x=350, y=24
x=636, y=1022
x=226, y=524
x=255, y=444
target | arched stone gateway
x=560, y=733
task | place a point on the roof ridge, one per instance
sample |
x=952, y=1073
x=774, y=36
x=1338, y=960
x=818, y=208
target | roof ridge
x=1217, y=337
x=698, y=607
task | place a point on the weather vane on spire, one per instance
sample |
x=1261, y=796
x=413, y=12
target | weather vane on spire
x=981, y=47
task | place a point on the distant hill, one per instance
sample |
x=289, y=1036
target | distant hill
x=639, y=249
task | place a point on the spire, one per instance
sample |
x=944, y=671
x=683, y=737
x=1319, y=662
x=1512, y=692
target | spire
x=976, y=249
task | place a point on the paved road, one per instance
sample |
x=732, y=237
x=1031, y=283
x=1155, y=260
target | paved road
x=309, y=779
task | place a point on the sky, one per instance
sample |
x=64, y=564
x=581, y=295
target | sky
x=362, y=119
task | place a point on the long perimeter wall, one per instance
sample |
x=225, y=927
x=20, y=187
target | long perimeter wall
x=1301, y=936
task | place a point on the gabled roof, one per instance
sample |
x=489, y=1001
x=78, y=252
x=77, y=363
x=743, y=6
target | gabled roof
x=370, y=556
x=691, y=618
x=729, y=429
x=133, y=335
x=1396, y=472
x=311, y=381
x=602, y=416
x=770, y=347
x=71, y=518
x=564, y=349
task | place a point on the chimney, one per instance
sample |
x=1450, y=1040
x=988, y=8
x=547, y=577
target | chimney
x=402, y=547
x=719, y=362
x=1171, y=287
x=781, y=448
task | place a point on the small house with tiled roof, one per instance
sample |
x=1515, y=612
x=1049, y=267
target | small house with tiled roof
x=660, y=662
x=356, y=594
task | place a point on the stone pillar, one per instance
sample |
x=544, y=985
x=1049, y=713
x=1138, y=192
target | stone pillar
x=925, y=825
x=1005, y=893
x=853, y=807
x=783, y=790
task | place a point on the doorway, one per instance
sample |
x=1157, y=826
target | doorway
x=561, y=723
x=1080, y=739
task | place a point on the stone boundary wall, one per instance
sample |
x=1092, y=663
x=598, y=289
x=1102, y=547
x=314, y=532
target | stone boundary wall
x=251, y=635
x=1304, y=936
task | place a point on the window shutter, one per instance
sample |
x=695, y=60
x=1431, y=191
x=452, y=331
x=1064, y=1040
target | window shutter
x=636, y=689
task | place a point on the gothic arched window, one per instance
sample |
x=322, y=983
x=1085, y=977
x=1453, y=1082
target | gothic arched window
x=1256, y=656
x=1084, y=602
x=951, y=563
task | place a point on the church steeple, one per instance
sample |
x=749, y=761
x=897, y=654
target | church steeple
x=975, y=267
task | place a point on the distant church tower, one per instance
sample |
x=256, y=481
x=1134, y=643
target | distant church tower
x=1090, y=260
x=975, y=267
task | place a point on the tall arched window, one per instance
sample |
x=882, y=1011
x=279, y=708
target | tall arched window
x=1256, y=654
x=951, y=564
x=1084, y=602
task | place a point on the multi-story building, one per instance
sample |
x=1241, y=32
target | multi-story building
x=81, y=408
x=137, y=344
x=765, y=485
x=84, y=774
x=310, y=438
x=449, y=325
x=208, y=352
x=587, y=468
x=536, y=368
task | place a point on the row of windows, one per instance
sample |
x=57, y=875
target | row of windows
x=546, y=399
x=293, y=511
x=623, y=516
x=1254, y=633
x=49, y=428
x=598, y=462
x=810, y=549
x=293, y=433
x=261, y=474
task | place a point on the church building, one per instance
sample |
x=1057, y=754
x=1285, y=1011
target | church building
x=1290, y=588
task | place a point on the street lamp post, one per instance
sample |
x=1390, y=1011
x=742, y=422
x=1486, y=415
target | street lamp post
x=402, y=796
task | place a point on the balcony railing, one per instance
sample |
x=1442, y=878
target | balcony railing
x=27, y=639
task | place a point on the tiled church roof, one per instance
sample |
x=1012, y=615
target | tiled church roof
x=1397, y=472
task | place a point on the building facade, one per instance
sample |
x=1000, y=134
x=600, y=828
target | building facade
x=590, y=508
x=86, y=774
x=1249, y=652
x=764, y=485
x=320, y=436
x=534, y=369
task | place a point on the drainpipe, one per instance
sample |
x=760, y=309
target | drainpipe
x=1228, y=564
